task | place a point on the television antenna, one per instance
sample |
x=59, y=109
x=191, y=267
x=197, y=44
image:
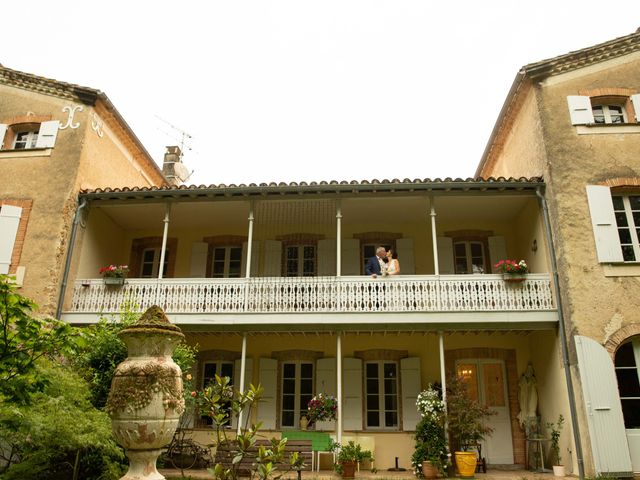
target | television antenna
x=184, y=135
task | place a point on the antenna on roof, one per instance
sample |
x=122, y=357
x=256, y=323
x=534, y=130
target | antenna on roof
x=184, y=136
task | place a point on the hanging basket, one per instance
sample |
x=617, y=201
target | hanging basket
x=514, y=277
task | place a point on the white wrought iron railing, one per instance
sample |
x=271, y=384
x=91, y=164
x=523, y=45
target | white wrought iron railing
x=416, y=293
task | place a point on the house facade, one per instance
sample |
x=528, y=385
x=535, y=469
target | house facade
x=575, y=121
x=268, y=280
x=55, y=139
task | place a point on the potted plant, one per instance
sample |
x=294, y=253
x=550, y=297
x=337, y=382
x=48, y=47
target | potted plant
x=466, y=420
x=555, y=429
x=512, y=271
x=114, y=274
x=321, y=408
x=348, y=457
x=430, y=451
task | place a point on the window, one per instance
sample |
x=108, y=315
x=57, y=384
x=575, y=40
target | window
x=627, y=213
x=627, y=365
x=609, y=106
x=25, y=140
x=469, y=257
x=144, y=259
x=297, y=390
x=26, y=133
x=300, y=260
x=381, y=390
x=149, y=268
x=608, y=114
x=226, y=262
x=369, y=250
x=209, y=372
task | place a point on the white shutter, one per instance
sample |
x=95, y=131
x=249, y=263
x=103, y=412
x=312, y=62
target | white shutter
x=3, y=132
x=255, y=258
x=351, y=394
x=199, y=252
x=350, y=256
x=410, y=378
x=580, y=110
x=635, y=99
x=404, y=247
x=326, y=383
x=445, y=255
x=248, y=372
x=604, y=225
x=9, y=221
x=497, y=250
x=47, y=134
x=326, y=257
x=268, y=370
x=272, y=258
x=604, y=412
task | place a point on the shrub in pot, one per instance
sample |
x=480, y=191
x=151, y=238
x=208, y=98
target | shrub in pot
x=554, y=433
x=430, y=451
x=348, y=456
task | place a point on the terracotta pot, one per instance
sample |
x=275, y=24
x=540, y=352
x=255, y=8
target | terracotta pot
x=348, y=469
x=558, y=471
x=146, y=398
x=514, y=277
x=429, y=470
x=466, y=463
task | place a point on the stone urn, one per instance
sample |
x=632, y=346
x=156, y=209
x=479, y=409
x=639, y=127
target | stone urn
x=146, y=399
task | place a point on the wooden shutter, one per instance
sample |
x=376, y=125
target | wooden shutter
x=351, y=394
x=9, y=221
x=497, y=250
x=268, y=370
x=410, y=378
x=326, y=257
x=248, y=372
x=47, y=134
x=326, y=383
x=603, y=220
x=3, y=132
x=272, y=258
x=199, y=252
x=255, y=258
x=635, y=99
x=404, y=247
x=580, y=110
x=604, y=411
x=445, y=255
x=350, y=256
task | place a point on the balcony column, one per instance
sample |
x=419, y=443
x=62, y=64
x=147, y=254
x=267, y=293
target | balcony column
x=339, y=393
x=434, y=235
x=443, y=381
x=338, y=239
x=167, y=213
x=243, y=362
x=247, y=272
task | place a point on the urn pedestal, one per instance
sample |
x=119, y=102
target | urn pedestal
x=146, y=398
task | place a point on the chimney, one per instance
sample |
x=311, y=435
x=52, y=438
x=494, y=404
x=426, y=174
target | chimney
x=173, y=169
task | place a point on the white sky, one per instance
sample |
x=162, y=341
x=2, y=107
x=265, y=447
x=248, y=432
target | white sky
x=300, y=90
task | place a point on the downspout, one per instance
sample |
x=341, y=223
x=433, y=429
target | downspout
x=563, y=337
x=67, y=263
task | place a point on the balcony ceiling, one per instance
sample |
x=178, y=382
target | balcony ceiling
x=390, y=209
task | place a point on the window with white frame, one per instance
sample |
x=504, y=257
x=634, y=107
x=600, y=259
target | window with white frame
x=300, y=260
x=25, y=140
x=608, y=114
x=381, y=392
x=209, y=371
x=226, y=262
x=603, y=110
x=297, y=390
x=627, y=365
x=469, y=257
x=627, y=212
x=150, y=262
x=25, y=136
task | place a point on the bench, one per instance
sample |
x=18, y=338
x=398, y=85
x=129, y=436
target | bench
x=227, y=451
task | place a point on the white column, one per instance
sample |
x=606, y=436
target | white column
x=247, y=272
x=165, y=232
x=243, y=361
x=339, y=396
x=443, y=381
x=434, y=236
x=338, y=239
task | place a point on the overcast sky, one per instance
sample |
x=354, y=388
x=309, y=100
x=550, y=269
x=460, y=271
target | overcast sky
x=300, y=90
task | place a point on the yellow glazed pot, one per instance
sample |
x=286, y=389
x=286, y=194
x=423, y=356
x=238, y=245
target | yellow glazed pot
x=466, y=463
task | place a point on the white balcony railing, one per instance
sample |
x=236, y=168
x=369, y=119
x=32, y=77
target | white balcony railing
x=419, y=293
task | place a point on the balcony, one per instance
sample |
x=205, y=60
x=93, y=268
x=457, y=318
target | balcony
x=355, y=294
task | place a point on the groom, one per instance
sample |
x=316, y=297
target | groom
x=375, y=265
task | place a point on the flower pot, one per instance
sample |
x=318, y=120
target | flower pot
x=348, y=469
x=114, y=280
x=429, y=470
x=558, y=471
x=514, y=277
x=466, y=463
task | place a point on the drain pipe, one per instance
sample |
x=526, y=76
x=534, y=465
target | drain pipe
x=67, y=263
x=563, y=337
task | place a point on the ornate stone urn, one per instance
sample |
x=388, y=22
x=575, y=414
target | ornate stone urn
x=145, y=401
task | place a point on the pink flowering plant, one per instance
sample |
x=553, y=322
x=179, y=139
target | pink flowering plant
x=322, y=408
x=512, y=267
x=115, y=271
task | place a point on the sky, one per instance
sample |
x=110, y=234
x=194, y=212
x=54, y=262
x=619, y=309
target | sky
x=297, y=90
